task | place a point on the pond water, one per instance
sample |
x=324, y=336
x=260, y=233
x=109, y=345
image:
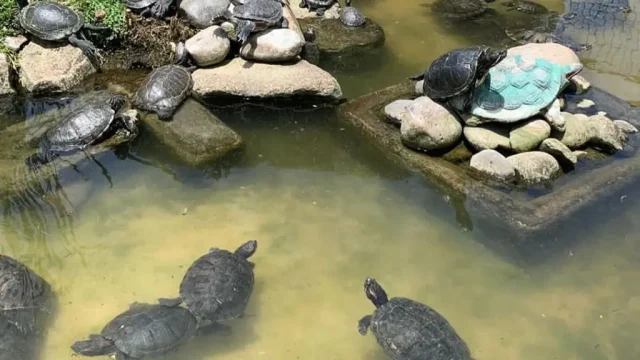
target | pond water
x=327, y=210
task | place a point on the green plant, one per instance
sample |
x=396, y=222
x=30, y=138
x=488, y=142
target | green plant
x=8, y=10
x=114, y=12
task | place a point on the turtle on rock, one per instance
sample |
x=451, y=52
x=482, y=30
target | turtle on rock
x=155, y=8
x=143, y=330
x=350, y=16
x=409, y=330
x=257, y=15
x=526, y=6
x=459, y=9
x=165, y=88
x=320, y=6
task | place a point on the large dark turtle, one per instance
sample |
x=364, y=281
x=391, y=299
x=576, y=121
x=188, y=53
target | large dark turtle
x=52, y=21
x=164, y=90
x=143, y=330
x=218, y=285
x=350, y=16
x=459, y=71
x=459, y=9
x=81, y=128
x=257, y=15
x=409, y=330
x=156, y=8
x=526, y=6
x=320, y=6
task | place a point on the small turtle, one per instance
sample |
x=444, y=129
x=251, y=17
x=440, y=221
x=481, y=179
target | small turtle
x=320, y=6
x=143, y=330
x=525, y=6
x=52, y=21
x=409, y=330
x=459, y=9
x=257, y=15
x=457, y=72
x=83, y=127
x=156, y=8
x=217, y=286
x=164, y=89
x=204, y=13
x=351, y=16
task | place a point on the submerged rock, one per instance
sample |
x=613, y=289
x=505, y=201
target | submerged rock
x=560, y=151
x=488, y=136
x=275, y=45
x=7, y=94
x=208, y=47
x=493, y=164
x=396, y=110
x=332, y=37
x=535, y=166
x=427, y=125
x=529, y=135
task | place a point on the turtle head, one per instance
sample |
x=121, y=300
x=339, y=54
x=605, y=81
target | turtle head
x=375, y=292
x=347, y=3
x=247, y=249
x=116, y=102
x=493, y=56
x=96, y=345
x=310, y=34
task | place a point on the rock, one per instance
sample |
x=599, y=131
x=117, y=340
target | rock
x=535, y=166
x=419, y=90
x=596, y=130
x=427, y=125
x=209, y=46
x=529, y=135
x=275, y=45
x=52, y=70
x=303, y=13
x=487, y=137
x=7, y=94
x=332, y=37
x=625, y=126
x=396, y=110
x=198, y=15
x=586, y=103
x=581, y=84
x=493, y=164
x=241, y=78
x=559, y=151
x=579, y=154
x=311, y=53
x=195, y=134
x=577, y=131
x=15, y=43
x=552, y=52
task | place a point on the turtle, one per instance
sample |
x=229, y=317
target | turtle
x=319, y=6
x=519, y=88
x=350, y=16
x=52, y=21
x=218, y=285
x=459, y=9
x=204, y=13
x=156, y=8
x=142, y=330
x=541, y=31
x=409, y=330
x=83, y=127
x=457, y=72
x=525, y=6
x=13, y=343
x=164, y=90
x=256, y=15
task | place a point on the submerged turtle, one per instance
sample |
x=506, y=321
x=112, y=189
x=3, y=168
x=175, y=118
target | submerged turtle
x=320, y=6
x=52, y=21
x=164, y=89
x=217, y=286
x=143, y=330
x=204, y=13
x=541, y=31
x=459, y=9
x=83, y=127
x=457, y=72
x=157, y=8
x=257, y=15
x=409, y=330
x=351, y=16
x=525, y=6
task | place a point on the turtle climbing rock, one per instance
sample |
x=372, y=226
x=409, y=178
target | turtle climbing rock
x=257, y=15
x=459, y=9
x=164, y=90
x=350, y=16
x=409, y=330
x=319, y=6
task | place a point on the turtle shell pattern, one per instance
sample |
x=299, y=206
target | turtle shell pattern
x=527, y=7
x=164, y=89
x=269, y=11
x=409, y=330
x=459, y=9
x=138, y=4
x=50, y=21
x=352, y=17
x=452, y=73
x=518, y=88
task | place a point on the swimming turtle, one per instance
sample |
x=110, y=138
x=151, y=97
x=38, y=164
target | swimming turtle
x=351, y=16
x=457, y=72
x=204, y=13
x=459, y=9
x=409, y=330
x=519, y=88
x=526, y=6
x=217, y=286
x=320, y=6
x=143, y=330
x=52, y=21
x=164, y=89
x=256, y=15
x=83, y=127
x=156, y=8
x=540, y=31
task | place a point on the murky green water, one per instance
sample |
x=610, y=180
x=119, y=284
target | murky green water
x=328, y=210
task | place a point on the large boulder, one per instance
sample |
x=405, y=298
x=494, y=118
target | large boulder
x=209, y=46
x=493, y=164
x=535, y=166
x=275, y=45
x=427, y=125
x=7, y=94
x=52, y=70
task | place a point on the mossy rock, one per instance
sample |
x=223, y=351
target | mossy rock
x=333, y=38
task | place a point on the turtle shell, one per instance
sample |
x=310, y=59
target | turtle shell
x=352, y=17
x=527, y=7
x=217, y=286
x=269, y=11
x=50, y=21
x=138, y=4
x=164, y=89
x=409, y=330
x=459, y=9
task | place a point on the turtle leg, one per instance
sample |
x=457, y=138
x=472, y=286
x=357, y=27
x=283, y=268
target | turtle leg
x=161, y=8
x=554, y=117
x=87, y=48
x=96, y=28
x=363, y=325
x=130, y=125
x=170, y=302
x=320, y=11
x=244, y=30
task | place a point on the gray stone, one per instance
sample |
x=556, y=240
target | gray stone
x=487, y=137
x=274, y=45
x=419, y=87
x=560, y=151
x=578, y=131
x=209, y=46
x=15, y=43
x=586, y=103
x=580, y=83
x=625, y=126
x=493, y=164
x=303, y=13
x=7, y=93
x=529, y=135
x=535, y=166
x=396, y=110
x=427, y=125
x=606, y=135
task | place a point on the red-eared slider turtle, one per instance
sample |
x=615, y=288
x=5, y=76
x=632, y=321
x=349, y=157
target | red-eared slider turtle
x=217, y=286
x=320, y=6
x=350, y=16
x=83, y=127
x=459, y=9
x=157, y=8
x=143, y=330
x=164, y=90
x=525, y=6
x=409, y=330
x=256, y=15
x=51, y=21
x=457, y=72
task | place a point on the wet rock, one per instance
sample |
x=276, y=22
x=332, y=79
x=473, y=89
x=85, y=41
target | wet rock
x=625, y=126
x=208, y=47
x=332, y=37
x=15, y=43
x=559, y=151
x=606, y=135
x=580, y=84
x=7, y=94
x=241, y=78
x=52, y=70
x=535, y=166
x=529, y=135
x=275, y=45
x=487, y=137
x=419, y=90
x=493, y=164
x=303, y=13
x=396, y=110
x=198, y=13
x=577, y=131
x=552, y=52
x=428, y=126
x=195, y=134
x=586, y=103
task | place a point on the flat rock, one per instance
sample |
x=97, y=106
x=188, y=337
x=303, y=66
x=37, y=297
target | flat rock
x=396, y=110
x=7, y=93
x=427, y=125
x=559, y=151
x=209, y=46
x=625, y=126
x=274, y=45
x=334, y=38
x=245, y=79
x=303, y=13
x=15, y=43
x=52, y=70
x=195, y=134
x=488, y=137
x=552, y=52
x=493, y=164
x=535, y=166
x=529, y=135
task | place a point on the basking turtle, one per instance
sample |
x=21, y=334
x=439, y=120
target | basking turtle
x=351, y=16
x=459, y=9
x=143, y=330
x=52, y=21
x=204, y=13
x=409, y=330
x=81, y=128
x=217, y=286
x=525, y=6
x=164, y=89
x=257, y=15
x=157, y=8
x=320, y=6
x=457, y=72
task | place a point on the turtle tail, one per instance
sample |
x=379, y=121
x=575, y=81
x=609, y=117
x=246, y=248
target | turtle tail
x=244, y=30
x=417, y=77
x=97, y=345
